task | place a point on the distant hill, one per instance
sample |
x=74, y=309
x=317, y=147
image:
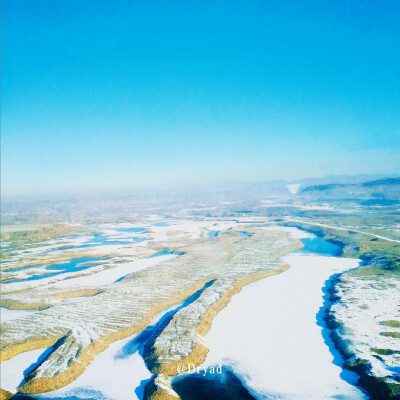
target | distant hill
x=380, y=189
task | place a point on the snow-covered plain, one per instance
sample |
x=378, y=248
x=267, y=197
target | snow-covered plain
x=272, y=337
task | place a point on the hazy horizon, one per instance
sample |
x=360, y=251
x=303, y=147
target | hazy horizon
x=101, y=97
x=193, y=189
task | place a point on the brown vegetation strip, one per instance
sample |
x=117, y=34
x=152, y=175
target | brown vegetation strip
x=77, y=293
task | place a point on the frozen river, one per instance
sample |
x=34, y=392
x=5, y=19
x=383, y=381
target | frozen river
x=273, y=337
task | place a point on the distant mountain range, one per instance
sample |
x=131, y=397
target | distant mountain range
x=380, y=189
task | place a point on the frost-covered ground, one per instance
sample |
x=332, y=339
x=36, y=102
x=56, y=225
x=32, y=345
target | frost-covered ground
x=369, y=314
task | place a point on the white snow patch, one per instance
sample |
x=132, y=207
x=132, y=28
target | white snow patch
x=363, y=306
x=291, y=231
x=293, y=187
x=9, y=315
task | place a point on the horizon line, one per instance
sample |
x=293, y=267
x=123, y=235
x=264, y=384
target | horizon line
x=183, y=188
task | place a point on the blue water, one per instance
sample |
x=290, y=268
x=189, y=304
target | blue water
x=246, y=234
x=161, y=224
x=103, y=239
x=62, y=268
x=320, y=246
x=163, y=253
x=133, y=229
x=213, y=233
x=95, y=240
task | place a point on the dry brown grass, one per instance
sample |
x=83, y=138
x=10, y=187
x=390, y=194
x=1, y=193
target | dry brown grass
x=77, y=293
x=162, y=395
x=33, y=344
x=5, y=394
x=19, y=305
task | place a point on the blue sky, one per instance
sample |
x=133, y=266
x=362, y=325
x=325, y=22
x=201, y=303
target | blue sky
x=103, y=96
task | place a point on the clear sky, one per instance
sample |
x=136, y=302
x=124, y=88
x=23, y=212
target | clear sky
x=109, y=95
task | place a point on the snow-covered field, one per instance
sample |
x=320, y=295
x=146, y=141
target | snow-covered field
x=271, y=335
x=363, y=308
